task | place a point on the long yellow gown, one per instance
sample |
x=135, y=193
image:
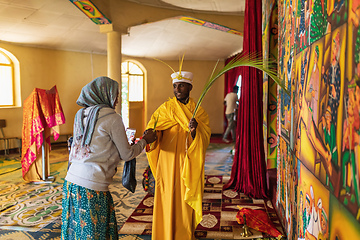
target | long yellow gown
x=177, y=163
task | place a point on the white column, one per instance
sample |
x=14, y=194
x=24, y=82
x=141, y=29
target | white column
x=113, y=56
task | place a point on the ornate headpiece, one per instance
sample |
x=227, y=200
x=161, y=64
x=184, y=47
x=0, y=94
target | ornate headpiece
x=180, y=76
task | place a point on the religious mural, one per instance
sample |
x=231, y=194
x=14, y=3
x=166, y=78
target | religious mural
x=318, y=165
x=270, y=42
x=313, y=206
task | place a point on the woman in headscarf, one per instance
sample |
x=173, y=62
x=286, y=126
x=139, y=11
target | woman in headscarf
x=99, y=143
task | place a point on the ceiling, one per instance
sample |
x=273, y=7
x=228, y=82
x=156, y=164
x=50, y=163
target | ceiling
x=59, y=24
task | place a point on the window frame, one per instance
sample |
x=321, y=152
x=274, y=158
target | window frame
x=12, y=66
x=16, y=84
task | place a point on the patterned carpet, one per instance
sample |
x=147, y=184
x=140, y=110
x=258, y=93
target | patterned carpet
x=219, y=214
x=43, y=200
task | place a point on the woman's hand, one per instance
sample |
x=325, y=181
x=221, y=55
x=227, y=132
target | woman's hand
x=149, y=135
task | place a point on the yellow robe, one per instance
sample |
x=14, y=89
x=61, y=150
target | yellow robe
x=177, y=163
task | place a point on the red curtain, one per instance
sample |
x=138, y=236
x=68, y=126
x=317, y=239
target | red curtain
x=231, y=78
x=248, y=173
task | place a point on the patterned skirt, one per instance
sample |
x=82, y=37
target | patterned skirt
x=87, y=214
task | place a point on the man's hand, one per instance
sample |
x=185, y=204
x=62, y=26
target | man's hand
x=192, y=126
x=149, y=135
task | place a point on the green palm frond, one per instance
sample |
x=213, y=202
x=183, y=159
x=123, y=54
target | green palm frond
x=156, y=121
x=165, y=64
x=251, y=60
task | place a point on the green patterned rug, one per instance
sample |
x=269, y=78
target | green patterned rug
x=29, y=207
x=32, y=211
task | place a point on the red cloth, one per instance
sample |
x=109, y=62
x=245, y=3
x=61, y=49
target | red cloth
x=41, y=109
x=258, y=220
x=231, y=78
x=248, y=173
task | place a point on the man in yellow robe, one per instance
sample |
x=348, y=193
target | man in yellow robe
x=177, y=160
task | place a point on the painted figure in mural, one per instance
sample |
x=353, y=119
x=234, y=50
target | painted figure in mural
x=290, y=26
x=301, y=24
x=350, y=140
x=319, y=20
x=313, y=90
x=308, y=12
x=354, y=17
x=338, y=5
x=304, y=66
x=330, y=140
x=313, y=134
x=289, y=64
x=324, y=224
x=314, y=227
x=332, y=78
x=306, y=213
x=301, y=215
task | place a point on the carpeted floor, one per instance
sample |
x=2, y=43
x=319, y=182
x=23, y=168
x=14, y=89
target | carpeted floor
x=219, y=214
x=43, y=200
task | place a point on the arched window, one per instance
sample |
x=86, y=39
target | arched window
x=132, y=89
x=9, y=80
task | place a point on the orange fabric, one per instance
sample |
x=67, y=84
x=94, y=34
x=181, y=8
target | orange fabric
x=35, y=171
x=258, y=220
x=42, y=109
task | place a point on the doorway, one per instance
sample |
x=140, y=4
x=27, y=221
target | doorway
x=132, y=97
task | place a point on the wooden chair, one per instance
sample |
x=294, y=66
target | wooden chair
x=7, y=139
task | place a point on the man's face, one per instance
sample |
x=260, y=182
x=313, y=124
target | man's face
x=182, y=91
x=328, y=119
x=336, y=46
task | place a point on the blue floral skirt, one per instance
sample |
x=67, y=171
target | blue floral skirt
x=87, y=214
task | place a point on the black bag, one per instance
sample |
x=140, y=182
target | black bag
x=129, y=175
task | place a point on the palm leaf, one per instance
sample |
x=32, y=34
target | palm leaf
x=156, y=121
x=251, y=60
x=165, y=64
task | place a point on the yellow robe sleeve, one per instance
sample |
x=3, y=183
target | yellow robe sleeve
x=163, y=122
x=193, y=170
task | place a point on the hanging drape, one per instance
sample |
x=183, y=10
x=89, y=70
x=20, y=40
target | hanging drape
x=230, y=78
x=42, y=115
x=248, y=173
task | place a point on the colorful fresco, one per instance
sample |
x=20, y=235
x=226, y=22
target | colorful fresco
x=265, y=52
x=342, y=224
x=313, y=207
x=270, y=42
x=209, y=25
x=319, y=123
x=272, y=104
x=286, y=198
x=91, y=11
